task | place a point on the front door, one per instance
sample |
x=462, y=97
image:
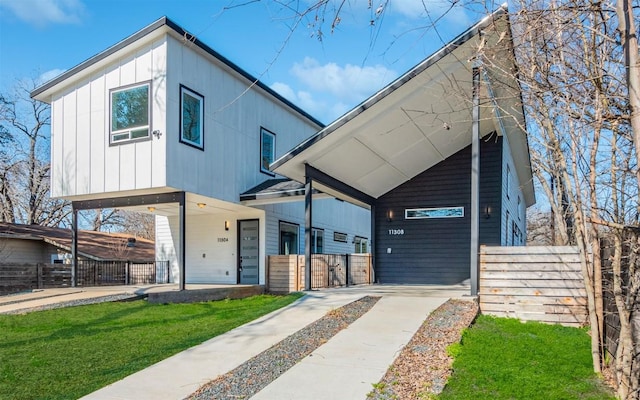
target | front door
x=248, y=260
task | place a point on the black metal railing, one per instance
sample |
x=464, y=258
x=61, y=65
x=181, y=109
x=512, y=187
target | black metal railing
x=334, y=270
x=111, y=273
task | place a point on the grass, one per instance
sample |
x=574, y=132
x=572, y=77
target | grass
x=502, y=358
x=70, y=352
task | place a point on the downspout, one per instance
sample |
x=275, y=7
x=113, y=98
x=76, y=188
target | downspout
x=308, y=220
x=475, y=181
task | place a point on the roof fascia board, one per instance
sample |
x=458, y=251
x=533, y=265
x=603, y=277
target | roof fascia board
x=359, y=109
x=162, y=22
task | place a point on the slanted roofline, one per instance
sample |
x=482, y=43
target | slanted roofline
x=359, y=109
x=41, y=91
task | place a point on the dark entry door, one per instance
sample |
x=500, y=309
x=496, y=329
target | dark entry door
x=248, y=260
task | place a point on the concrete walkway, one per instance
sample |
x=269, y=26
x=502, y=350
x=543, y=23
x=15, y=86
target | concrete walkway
x=343, y=368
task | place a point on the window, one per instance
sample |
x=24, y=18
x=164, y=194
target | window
x=289, y=243
x=360, y=244
x=442, y=212
x=340, y=237
x=267, y=150
x=507, y=226
x=130, y=113
x=317, y=241
x=191, y=118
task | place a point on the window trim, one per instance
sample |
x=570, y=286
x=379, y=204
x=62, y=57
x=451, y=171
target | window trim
x=280, y=223
x=184, y=89
x=265, y=131
x=314, y=240
x=149, y=111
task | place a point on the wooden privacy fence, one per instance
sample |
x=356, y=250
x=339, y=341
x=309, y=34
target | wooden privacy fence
x=285, y=273
x=19, y=277
x=537, y=283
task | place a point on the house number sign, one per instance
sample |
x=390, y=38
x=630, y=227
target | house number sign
x=223, y=239
x=396, y=231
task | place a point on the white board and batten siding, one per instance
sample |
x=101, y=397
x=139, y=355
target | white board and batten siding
x=234, y=112
x=533, y=283
x=83, y=162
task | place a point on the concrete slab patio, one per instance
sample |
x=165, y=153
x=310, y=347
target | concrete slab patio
x=343, y=368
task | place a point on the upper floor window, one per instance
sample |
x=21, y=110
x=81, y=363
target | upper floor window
x=360, y=244
x=267, y=150
x=130, y=113
x=191, y=118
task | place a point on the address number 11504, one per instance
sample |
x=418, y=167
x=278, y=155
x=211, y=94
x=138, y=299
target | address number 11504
x=396, y=231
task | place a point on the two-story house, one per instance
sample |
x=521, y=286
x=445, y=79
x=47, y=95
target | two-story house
x=162, y=123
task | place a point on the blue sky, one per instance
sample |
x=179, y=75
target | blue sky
x=41, y=38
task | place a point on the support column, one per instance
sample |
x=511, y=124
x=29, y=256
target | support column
x=475, y=182
x=74, y=246
x=372, y=243
x=183, y=241
x=308, y=220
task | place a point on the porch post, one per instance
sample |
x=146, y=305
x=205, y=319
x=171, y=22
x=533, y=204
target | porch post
x=308, y=221
x=372, y=244
x=183, y=241
x=74, y=246
x=475, y=181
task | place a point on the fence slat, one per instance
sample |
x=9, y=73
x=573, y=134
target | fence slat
x=540, y=283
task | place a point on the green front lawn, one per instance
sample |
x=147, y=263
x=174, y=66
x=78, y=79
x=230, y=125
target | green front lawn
x=70, y=352
x=503, y=358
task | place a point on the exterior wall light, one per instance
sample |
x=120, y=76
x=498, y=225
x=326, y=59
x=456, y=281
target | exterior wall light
x=487, y=212
x=390, y=215
x=202, y=205
x=151, y=208
x=226, y=225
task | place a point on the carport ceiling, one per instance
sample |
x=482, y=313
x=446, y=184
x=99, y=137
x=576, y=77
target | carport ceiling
x=414, y=123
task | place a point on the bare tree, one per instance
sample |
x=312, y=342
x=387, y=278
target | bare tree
x=24, y=166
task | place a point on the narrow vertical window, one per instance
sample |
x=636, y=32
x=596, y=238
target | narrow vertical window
x=191, y=118
x=317, y=237
x=289, y=243
x=507, y=184
x=267, y=150
x=130, y=113
x=360, y=244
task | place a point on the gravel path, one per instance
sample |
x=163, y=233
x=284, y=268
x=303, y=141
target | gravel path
x=72, y=303
x=255, y=374
x=423, y=367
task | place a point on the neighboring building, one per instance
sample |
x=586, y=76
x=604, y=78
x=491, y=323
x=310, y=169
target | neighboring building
x=162, y=123
x=440, y=156
x=31, y=244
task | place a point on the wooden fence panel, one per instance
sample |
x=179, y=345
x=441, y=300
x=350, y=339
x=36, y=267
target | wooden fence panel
x=537, y=283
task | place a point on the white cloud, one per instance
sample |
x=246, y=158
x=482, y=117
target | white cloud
x=43, y=12
x=348, y=84
x=302, y=99
x=48, y=75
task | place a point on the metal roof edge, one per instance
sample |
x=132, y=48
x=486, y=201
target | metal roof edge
x=165, y=21
x=407, y=76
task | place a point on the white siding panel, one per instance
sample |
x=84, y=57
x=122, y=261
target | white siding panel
x=128, y=166
x=128, y=71
x=112, y=153
x=165, y=244
x=159, y=114
x=57, y=166
x=69, y=164
x=99, y=135
x=83, y=140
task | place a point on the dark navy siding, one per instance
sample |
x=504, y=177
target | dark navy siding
x=436, y=251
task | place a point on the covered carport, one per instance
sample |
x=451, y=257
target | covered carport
x=444, y=107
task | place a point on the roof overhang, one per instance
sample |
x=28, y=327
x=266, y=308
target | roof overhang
x=149, y=34
x=422, y=118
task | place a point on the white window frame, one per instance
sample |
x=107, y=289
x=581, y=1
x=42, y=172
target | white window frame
x=267, y=133
x=128, y=131
x=359, y=242
x=315, y=234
